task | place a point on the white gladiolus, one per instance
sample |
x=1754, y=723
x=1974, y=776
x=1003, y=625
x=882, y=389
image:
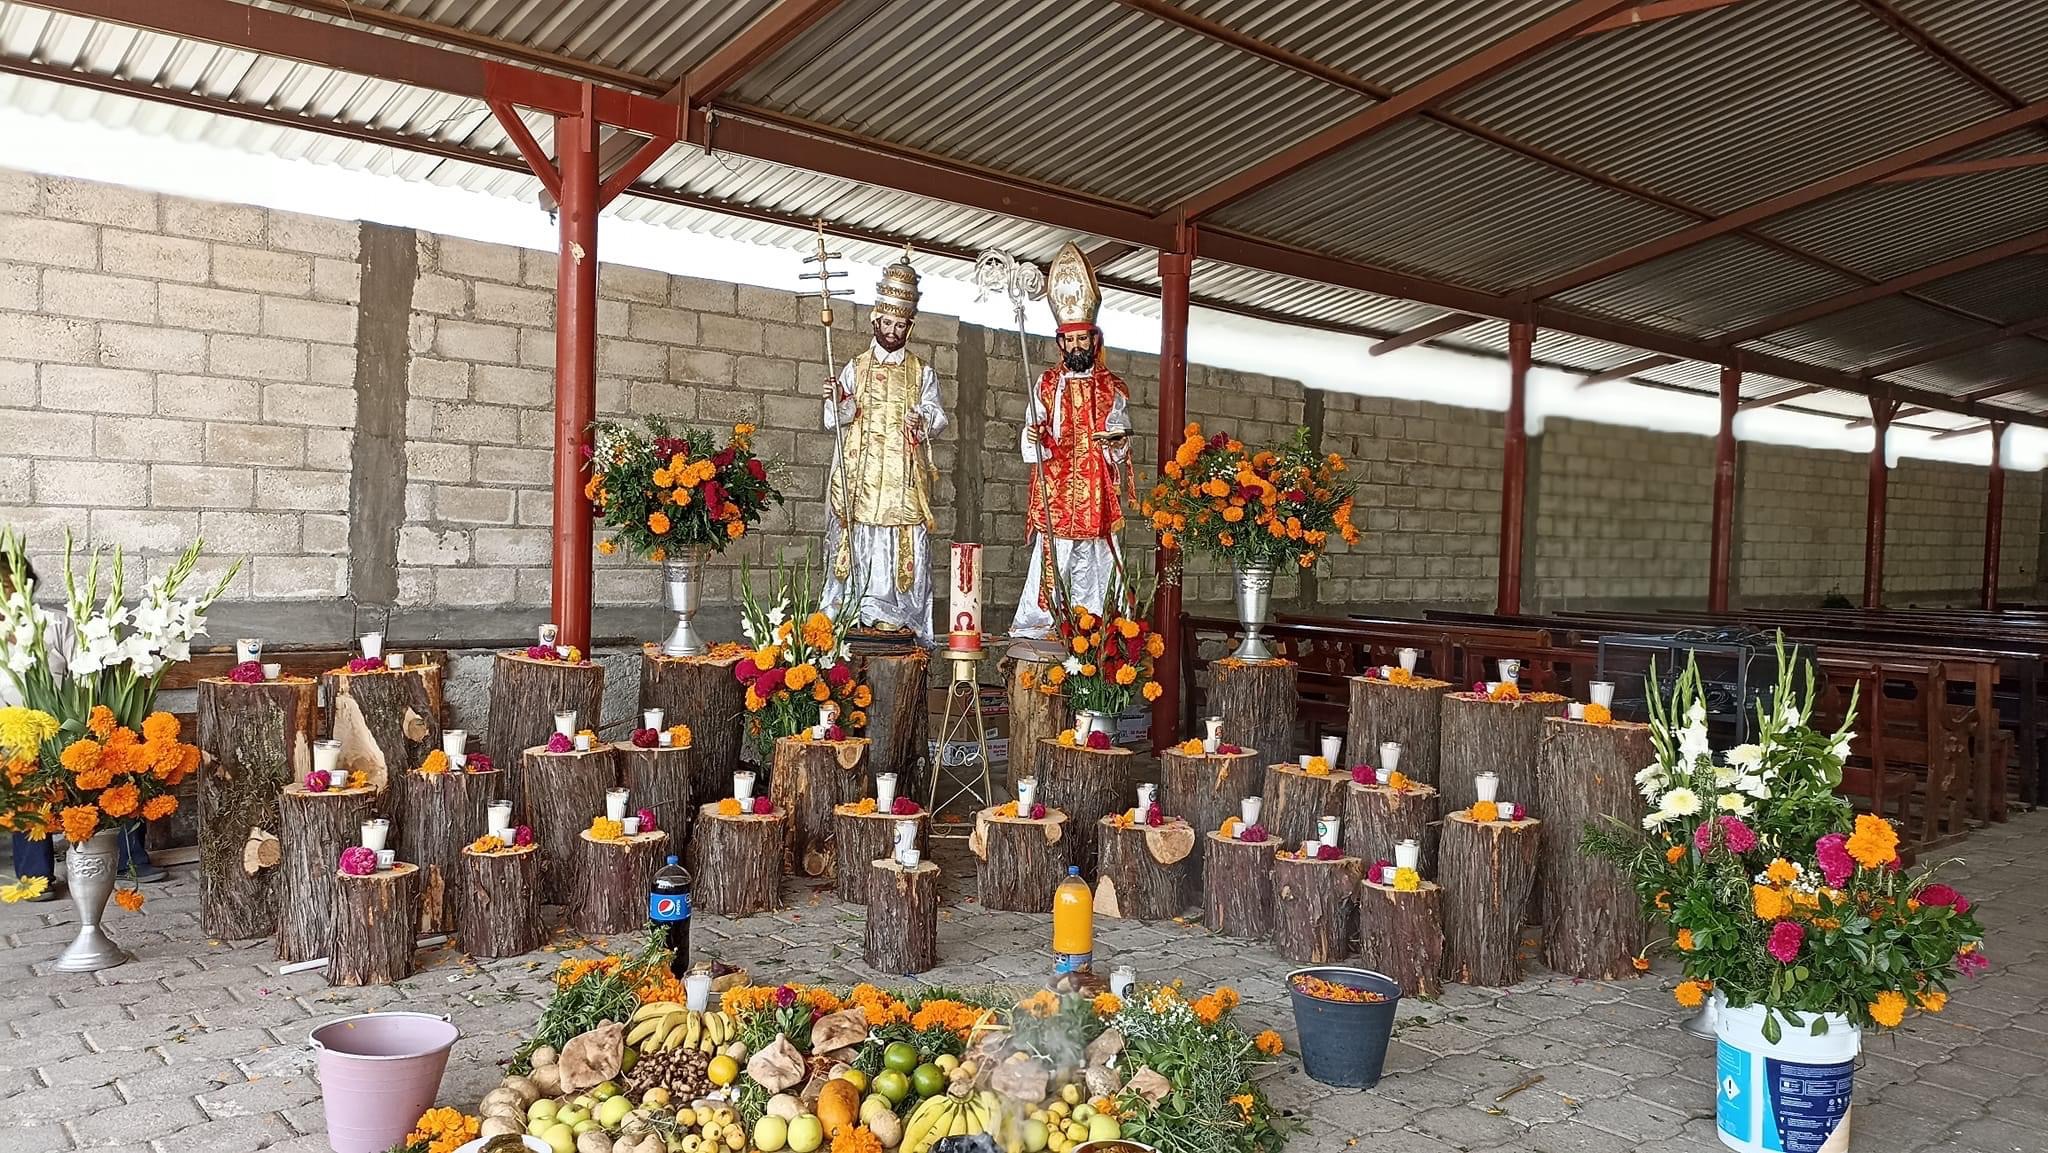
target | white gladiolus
x=1755, y=786
x=1746, y=756
x=1696, y=714
x=1693, y=746
x=1839, y=749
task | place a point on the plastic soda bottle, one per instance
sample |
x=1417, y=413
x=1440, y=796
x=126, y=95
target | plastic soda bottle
x=1073, y=924
x=668, y=906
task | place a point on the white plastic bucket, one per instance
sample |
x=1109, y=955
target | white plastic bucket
x=378, y=1072
x=1790, y=1097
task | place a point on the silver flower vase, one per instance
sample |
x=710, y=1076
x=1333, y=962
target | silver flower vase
x=90, y=870
x=1254, y=600
x=685, y=581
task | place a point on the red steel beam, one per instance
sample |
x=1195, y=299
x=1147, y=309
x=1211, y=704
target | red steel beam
x=1175, y=267
x=1442, y=326
x=1968, y=167
x=781, y=24
x=1650, y=13
x=1779, y=397
x=1786, y=202
x=1965, y=430
x=575, y=372
x=1994, y=518
x=1467, y=73
x=515, y=129
x=1514, y=470
x=1721, y=549
x=1942, y=350
x=1624, y=371
x=1865, y=422
x=355, y=12
x=1879, y=483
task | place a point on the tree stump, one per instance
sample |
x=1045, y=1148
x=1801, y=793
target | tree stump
x=1256, y=702
x=1145, y=873
x=563, y=791
x=1593, y=924
x=859, y=838
x=1409, y=713
x=1205, y=788
x=810, y=780
x=903, y=917
x=1487, y=736
x=1237, y=887
x=387, y=721
x=703, y=693
x=1085, y=784
x=1402, y=935
x=439, y=813
x=525, y=696
x=1295, y=798
x=1376, y=818
x=1035, y=715
x=735, y=862
x=313, y=830
x=1488, y=873
x=899, y=715
x=501, y=902
x=660, y=779
x=612, y=881
x=1315, y=908
x=253, y=740
x=1022, y=860
x=373, y=927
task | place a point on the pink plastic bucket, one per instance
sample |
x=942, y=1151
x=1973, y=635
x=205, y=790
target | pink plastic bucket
x=378, y=1073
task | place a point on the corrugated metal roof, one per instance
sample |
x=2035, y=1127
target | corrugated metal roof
x=2005, y=38
x=2008, y=291
x=2006, y=360
x=1871, y=332
x=1711, y=288
x=1401, y=42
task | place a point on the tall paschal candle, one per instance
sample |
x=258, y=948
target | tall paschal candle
x=964, y=598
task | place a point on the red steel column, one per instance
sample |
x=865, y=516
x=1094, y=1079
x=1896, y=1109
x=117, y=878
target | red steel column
x=1994, y=516
x=1174, y=268
x=575, y=369
x=1873, y=530
x=1721, y=553
x=1514, y=469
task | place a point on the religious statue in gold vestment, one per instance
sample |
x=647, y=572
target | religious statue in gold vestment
x=878, y=508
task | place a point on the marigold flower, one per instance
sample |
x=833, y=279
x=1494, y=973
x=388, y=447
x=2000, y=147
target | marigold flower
x=729, y=807
x=79, y=822
x=435, y=762
x=1108, y=1004
x=1127, y=674
x=157, y=808
x=129, y=899
x=1875, y=843
x=1769, y=902
x=1781, y=871
x=160, y=727
x=121, y=800
x=1640, y=963
x=1269, y=1043
x=1890, y=1007
x=80, y=756
x=606, y=547
x=1407, y=880
x=1598, y=714
x=1685, y=940
x=1485, y=811
x=1691, y=993
x=1674, y=854
x=100, y=722
x=1933, y=1000
x=1152, y=691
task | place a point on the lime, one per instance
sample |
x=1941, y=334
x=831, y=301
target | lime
x=892, y=1084
x=900, y=1056
x=928, y=1079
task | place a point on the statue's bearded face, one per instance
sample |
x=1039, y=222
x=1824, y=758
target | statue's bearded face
x=890, y=331
x=1078, y=349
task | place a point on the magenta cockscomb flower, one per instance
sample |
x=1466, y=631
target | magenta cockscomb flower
x=1736, y=834
x=1786, y=938
x=1362, y=775
x=357, y=861
x=1832, y=854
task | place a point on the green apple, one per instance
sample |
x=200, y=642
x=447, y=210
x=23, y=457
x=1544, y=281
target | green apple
x=806, y=1133
x=606, y=1091
x=560, y=1138
x=1104, y=1128
x=613, y=1111
x=572, y=1114
x=1035, y=1136
x=540, y=1109
x=771, y=1134
x=585, y=1126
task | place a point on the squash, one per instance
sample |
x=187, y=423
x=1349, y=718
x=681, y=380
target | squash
x=838, y=1105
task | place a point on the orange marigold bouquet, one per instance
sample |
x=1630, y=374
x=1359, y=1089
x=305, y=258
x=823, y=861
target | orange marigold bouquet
x=799, y=673
x=1264, y=509
x=1108, y=666
x=663, y=490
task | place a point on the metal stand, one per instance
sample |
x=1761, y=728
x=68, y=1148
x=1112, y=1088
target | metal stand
x=962, y=720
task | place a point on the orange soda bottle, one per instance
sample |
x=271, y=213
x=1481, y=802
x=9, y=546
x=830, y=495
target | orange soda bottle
x=1073, y=924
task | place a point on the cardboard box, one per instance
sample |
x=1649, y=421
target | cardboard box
x=995, y=715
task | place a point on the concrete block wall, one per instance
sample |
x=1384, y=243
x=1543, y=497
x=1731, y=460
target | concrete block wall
x=1621, y=516
x=1801, y=511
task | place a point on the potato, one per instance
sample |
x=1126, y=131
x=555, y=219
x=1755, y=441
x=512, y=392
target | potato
x=501, y=1126
x=501, y=1100
x=594, y=1141
x=549, y=1078
x=524, y=1086
x=543, y=1056
x=785, y=1106
x=887, y=1128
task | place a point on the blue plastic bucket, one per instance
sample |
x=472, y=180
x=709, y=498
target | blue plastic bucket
x=1791, y=1096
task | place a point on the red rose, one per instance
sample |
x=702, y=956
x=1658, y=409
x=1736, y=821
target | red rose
x=757, y=470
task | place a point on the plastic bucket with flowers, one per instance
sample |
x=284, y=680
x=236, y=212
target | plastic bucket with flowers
x=1791, y=1094
x=1345, y=1017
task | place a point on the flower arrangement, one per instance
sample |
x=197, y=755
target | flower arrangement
x=357, y=861
x=1324, y=990
x=1265, y=509
x=109, y=773
x=663, y=490
x=800, y=660
x=568, y=654
x=1778, y=894
x=442, y=1130
x=1108, y=667
x=364, y=665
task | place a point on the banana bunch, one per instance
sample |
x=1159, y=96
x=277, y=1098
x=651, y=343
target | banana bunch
x=949, y=1116
x=660, y=1025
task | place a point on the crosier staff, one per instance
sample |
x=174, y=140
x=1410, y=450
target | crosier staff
x=825, y=275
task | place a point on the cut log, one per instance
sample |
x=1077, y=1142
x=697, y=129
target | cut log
x=898, y=715
x=1205, y=788
x=313, y=829
x=1145, y=873
x=564, y=792
x=1315, y=908
x=1593, y=924
x=439, y=813
x=1376, y=818
x=1295, y=799
x=1402, y=935
x=902, y=936
x=612, y=882
x=1489, y=870
x=1488, y=736
x=1410, y=713
x=860, y=838
x=1256, y=702
x=735, y=862
x=660, y=779
x=525, y=696
x=703, y=693
x=1087, y=785
x=1035, y=715
x=1022, y=860
x=253, y=741
x=387, y=721
x=1237, y=887
x=373, y=927
x=812, y=778
x=501, y=902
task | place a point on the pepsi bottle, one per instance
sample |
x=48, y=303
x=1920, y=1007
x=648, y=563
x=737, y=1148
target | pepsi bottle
x=668, y=906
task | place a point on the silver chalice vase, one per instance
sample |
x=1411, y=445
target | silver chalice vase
x=1254, y=600
x=90, y=870
x=685, y=580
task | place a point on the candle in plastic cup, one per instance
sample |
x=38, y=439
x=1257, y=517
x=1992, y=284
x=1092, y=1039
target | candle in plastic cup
x=909, y=858
x=885, y=790
x=665, y=739
x=500, y=817
x=615, y=804
x=565, y=723
x=1486, y=786
x=1306, y=758
x=1386, y=672
x=1327, y=828
x=248, y=649
x=373, y=645
x=1506, y=808
x=1510, y=671
x=1248, y=809
x=549, y=635
x=1407, y=658
x=1027, y=795
x=743, y=785
x=326, y=756
x=1407, y=854
x=1602, y=693
x=697, y=991
x=386, y=859
x=394, y=660
x=454, y=742
x=631, y=825
x=1390, y=756
x=272, y=671
x=1148, y=795
x=1121, y=979
x=1383, y=775
x=375, y=830
x=1576, y=710
x=582, y=743
x=651, y=719
x=1333, y=747
x=1212, y=734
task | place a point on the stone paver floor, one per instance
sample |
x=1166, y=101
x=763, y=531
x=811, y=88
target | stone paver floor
x=200, y=1047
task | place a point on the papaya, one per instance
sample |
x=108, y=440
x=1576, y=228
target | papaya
x=838, y=1105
